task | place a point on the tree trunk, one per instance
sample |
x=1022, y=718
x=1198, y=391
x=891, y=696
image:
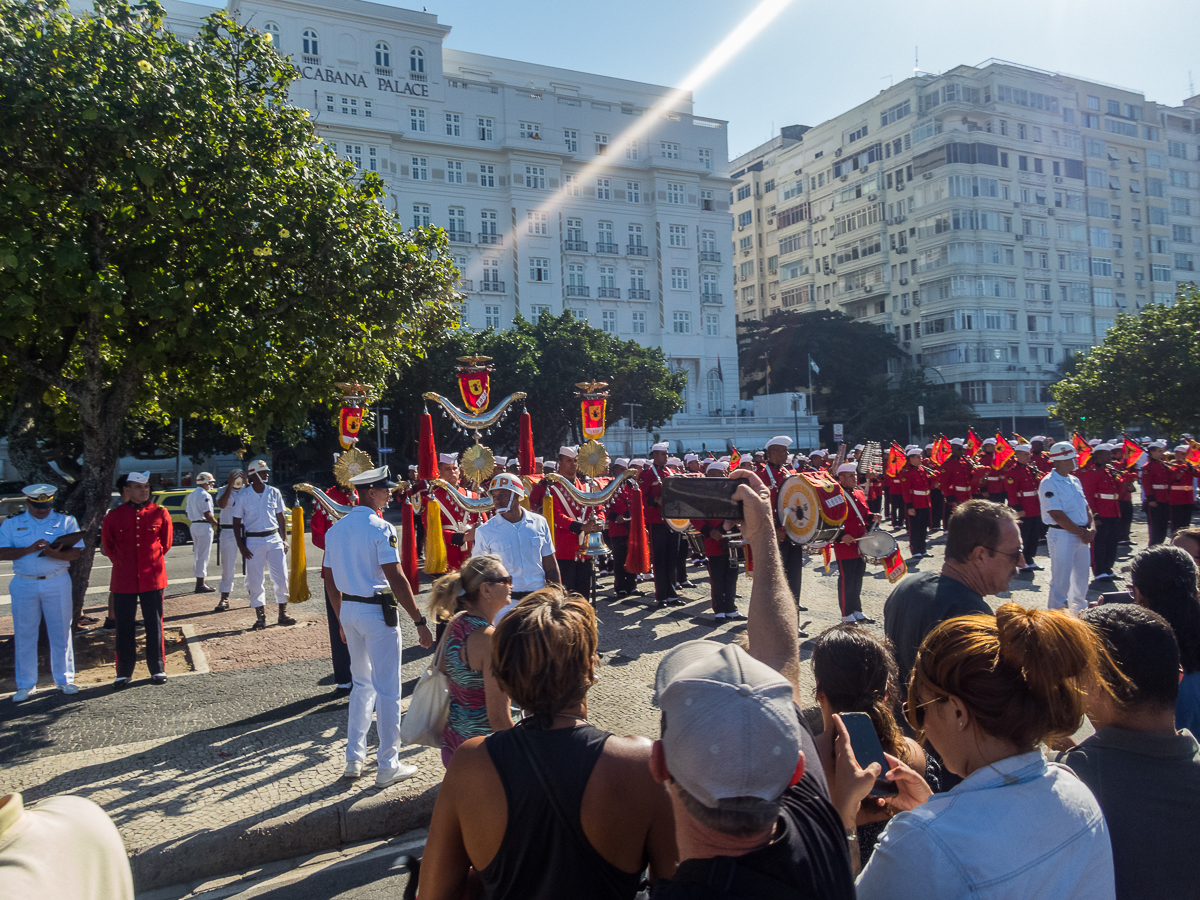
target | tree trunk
x=23, y=449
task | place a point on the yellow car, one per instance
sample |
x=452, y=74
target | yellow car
x=175, y=503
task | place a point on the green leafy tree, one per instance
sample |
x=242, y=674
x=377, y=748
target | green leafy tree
x=891, y=413
x=175, y=240
x=1145, y=373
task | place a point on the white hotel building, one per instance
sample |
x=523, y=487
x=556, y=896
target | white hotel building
x=995, y=218
x=548, y=202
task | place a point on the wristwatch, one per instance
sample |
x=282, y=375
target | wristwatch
x=419, y=622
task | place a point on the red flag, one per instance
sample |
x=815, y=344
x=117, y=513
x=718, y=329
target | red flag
x=475, y=388
x=349, y=422
x=1083, y=449
x=525, y=445
x=896, y=460
x=1193, y=455
x=1004, y=452
x=1133, y=453
x=1017, y=439
x=735, y=459
x=592, y=410
x=637, y=557
x=974, y=445
x=427, y=461
x=894, y=567
x=941, y=450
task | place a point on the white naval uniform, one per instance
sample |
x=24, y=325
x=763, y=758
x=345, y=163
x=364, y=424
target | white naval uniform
x=229, y=547
x=258, y=514
x=1070, y=558
x=199, y=502
x=40, y=588
x=356, y=548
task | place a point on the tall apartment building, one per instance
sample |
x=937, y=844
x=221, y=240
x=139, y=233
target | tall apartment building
x=994, y=218
x=556, y=192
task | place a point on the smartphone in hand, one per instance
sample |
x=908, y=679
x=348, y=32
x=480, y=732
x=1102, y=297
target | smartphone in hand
x=700, y=498
x=867, y=749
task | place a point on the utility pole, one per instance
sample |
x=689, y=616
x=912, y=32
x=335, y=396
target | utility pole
x=179, y=457
x=631, y=407
x=381, y=431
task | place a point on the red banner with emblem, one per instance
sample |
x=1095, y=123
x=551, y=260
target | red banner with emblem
x=593, y=417
x=475, y=388
x=349, y=421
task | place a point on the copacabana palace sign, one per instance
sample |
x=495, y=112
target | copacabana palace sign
x=337, y=76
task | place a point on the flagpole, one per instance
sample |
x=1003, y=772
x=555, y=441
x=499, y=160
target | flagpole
x=810, y=394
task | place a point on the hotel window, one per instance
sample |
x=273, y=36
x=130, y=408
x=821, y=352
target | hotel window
x=453, y=125
x=682, y=322
x=349, y=106
x=708, y=241
x=605, y=235
x=631, y=148
x=633, y=191
x=487, y=224
x=487, y=175
x=416, y=119
x=601, y=144
x=383, y=55
x=372, y=159
x=329, y=103
x=679, y=279
x=708, y=285
x=603, y=189
x=677, y=235
x=637, y=279
x=531, y=130
x=537, y=222
x=571, y=137
x=416, y=60
x=635, y=235
x=536, y=311
x=571, y=185
x=354, y=154
x=535, y=177
x=458, y=221
x=310, y=45
x=705, y=157
x=539, y=269
x=271, y=30
x=674, y=193
x=706, y=201
x=485, y=129
x=491, y=275
x=712, y=326
x=420, y=168
x=491, y=317
x=639, y=323
x=454, y=171
x=368, y=108
x=420, y=215
x=669, y=150
x=608, y=321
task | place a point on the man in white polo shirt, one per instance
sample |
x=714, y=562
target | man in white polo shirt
x=520, y=538
x=1072, y=530
x=260, y=526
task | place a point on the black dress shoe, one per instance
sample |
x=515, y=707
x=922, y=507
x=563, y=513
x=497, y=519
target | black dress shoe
x=120, y=684
x=801, y=608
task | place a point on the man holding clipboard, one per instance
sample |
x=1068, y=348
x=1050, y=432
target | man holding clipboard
x=42, y=544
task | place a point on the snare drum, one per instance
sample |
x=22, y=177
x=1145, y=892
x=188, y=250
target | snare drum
x=876, y=546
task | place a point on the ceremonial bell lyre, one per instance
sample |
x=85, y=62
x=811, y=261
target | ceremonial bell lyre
x=595, y=543
x=329, y=506
x=482, y=504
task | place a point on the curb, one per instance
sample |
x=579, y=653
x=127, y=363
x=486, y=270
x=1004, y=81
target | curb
x=209, y=854
x=194, y=649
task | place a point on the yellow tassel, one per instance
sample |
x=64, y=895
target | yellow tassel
x=435, y=544
x=548, y=512
x=298, y=575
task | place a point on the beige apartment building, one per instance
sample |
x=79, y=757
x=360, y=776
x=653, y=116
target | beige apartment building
x=994, y=218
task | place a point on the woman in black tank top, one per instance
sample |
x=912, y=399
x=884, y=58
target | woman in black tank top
x=515, y=810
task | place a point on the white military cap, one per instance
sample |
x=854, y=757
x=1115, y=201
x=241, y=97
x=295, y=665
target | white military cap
x=987, y=441
x=551, y=465
x=622, y=462
x=781, y=440
x=450, y=459
x=859, y=447
x=690, y=457
x=500, y=460
x=914, y=450
x=845, y=468
x=1157, y=445
x=661, y=447
x=674, y=461
x=718, y=465
x=374, y=478
x=1093, y=442
x=1182, y=448
x=569, y=452
x=1105, y=446
x=957, y=442
x=1023, y=448
x=144, y=477
x=39, y=493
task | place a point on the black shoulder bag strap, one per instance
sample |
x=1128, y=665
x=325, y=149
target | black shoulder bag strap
x=572, y=827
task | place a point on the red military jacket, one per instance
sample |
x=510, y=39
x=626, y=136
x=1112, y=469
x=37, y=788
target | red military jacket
x=875, y=488
x=774, y=477
x=1181, y=483
x=1042, y=461
x=856, y=525
x=651, y=480
x=712, y=546
x=1156, y=481
x=136, y=540
x=957, y=479
x=916, y=486
x=1102, y=488
x=620, y=509
x=321, y=522
x=568, y=519
x=985, y=479
x=1022, y=483
x=454, y=517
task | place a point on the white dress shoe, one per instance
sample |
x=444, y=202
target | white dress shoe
x=70, y=689
x=353, y=769
x=391, y=776
x=24, y=694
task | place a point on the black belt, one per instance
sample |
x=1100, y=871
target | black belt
x=201, y=522
x=261, y=533
x=1059, y=527
x=377, y=600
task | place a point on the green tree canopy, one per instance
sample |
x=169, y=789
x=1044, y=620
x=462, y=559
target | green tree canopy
x=175, y=239
x=1145, y=373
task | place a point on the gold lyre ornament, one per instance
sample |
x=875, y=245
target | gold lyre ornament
x=477, y=464
x=593, y=459
x=350, y=463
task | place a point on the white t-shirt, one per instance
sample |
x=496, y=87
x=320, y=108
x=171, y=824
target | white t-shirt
x=357, y=547
x=199, y=502
x=520, y=545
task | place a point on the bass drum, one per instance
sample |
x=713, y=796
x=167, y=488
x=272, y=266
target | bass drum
x=801, y=508
x=681, y=526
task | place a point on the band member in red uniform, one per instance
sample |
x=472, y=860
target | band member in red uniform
x=850, y=563
x=957, y=477
x=937, y=503
x=338, y=650
x=722, y=565
x=916, y=484
x=136, y=537
x=664, y=543
x=1156, y=484
x=1021, y=480
x=989, y=483
x=1101, y=487
x=895, y=500
x=458, y=526
x=572, y=520
x=1183, y=476
x=1037, y=454
x=618, y=515
x=774, y=473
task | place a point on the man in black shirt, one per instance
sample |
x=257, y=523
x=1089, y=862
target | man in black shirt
x=752, y=810
x=983, y=546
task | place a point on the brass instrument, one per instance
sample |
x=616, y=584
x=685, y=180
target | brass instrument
x=328, y=505
x=478, y=505
x=595, y=543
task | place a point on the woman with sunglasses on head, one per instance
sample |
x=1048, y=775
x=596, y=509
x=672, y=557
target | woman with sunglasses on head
x=985, y=692
x=464, y=603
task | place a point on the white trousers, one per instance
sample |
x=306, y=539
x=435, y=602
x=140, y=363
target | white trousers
x=375, y=652
x=267, y=553
x=202, y=541
x=229, y=559
x=31, y=602
x=1070, y=563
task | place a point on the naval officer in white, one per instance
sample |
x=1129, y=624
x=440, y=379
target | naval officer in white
x=260, y=527
x=362, y=572
x=1065, y=509
x=199, y=508
x=41, y=588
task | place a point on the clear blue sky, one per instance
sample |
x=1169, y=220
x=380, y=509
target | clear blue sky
x=819, y=59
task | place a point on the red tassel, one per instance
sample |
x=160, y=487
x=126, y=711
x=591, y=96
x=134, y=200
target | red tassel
x=637, y=560
x=525, y=445
x=427, y=461
x=409, y=564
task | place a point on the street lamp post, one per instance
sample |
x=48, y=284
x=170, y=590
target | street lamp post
x=631, y=406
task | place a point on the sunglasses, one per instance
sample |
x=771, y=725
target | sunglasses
x=916, y=714
x=1015, y=556
x=507, y=579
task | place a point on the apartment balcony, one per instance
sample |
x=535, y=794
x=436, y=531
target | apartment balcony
x=497, y=239
x=578, y=290
x=459, y=237
x=491, y=287
x=310, y=60
x=464, y=285
x=610, y=292
x=607, y=248
x=575, y=246
x=712, y=299
x=636, y=250
x=710, y=256
x=638, y=294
